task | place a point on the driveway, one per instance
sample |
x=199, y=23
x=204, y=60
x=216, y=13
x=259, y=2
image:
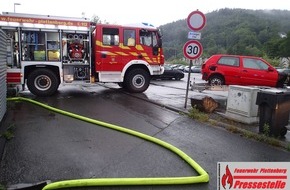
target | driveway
x=50, y=146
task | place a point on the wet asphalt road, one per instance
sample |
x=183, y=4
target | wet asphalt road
x=49, y=146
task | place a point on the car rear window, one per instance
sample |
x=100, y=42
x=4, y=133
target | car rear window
x=254, y=64
x=230, y=61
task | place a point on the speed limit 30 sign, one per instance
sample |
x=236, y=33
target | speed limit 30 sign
x=192, y=49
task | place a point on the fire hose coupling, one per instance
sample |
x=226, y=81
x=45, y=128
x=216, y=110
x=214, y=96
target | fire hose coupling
x=203, y=176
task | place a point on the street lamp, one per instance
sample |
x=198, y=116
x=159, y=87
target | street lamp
x=83, y=15
x=15, y=5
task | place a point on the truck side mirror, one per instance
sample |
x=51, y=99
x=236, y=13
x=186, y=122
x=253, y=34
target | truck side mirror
x=155, y=50
x=159, y=42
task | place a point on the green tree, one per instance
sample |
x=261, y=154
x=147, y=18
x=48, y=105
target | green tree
x=272, y=47
x=233, y=31
x=96, y=19
x=284, y=47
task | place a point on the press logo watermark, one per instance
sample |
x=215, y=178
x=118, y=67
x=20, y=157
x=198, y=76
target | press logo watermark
x=253, y=175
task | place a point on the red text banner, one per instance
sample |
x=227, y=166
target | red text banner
x=253, y=175
x=5, y=18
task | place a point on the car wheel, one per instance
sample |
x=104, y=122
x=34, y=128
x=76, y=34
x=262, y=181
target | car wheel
x=178, y=77
x=216, y=80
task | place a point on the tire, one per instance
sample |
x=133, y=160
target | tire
x=216, y=80
x=122, y=85
x=177, y=78
x=283, y=131
x=137, y=80
x=42, y=82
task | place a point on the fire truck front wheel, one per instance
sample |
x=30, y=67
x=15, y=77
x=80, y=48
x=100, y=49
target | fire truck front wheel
x=42, y=82
x=137, y=80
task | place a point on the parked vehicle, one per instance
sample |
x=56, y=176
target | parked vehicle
x=170, y=73
x=193, y=69
x=186, y=69
x=241, y=70
x=285, y=71
x=196, y=69
x=44, y=51
x=181, y=68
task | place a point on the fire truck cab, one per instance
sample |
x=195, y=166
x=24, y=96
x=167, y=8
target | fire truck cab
x=45, y=51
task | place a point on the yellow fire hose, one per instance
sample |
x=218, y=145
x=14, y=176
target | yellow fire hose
x=202, y=178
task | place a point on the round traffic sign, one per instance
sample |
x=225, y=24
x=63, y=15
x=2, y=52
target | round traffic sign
x=196, y=20
x=192, y=49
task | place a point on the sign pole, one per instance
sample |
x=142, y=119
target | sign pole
x=193, y=49
x=188, y=82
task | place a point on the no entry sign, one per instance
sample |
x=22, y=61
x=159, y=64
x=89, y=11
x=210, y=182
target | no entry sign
x=196, y=20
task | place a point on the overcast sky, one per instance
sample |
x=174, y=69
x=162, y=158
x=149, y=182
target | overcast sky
x=156, y=12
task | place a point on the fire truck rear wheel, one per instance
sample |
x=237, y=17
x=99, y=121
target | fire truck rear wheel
x=42, y=82
x=137, y=80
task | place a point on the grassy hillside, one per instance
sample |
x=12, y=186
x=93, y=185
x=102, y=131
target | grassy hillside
x=232, y=31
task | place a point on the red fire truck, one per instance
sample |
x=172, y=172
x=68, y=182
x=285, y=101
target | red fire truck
x=45, y=51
